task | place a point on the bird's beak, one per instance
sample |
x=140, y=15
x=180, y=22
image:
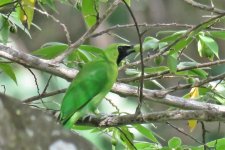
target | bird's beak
x=129, y=49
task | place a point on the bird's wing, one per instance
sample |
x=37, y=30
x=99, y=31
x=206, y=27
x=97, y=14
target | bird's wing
x=88, y=83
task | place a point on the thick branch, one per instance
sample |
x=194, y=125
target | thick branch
x=163, y=116
x=35, y=62
x=163, y=98
x=119, y=88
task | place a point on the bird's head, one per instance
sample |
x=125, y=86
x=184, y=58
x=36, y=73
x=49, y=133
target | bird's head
x=117, y=52
x=123, y=52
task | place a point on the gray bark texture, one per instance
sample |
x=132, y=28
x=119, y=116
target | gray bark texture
x=25, y=128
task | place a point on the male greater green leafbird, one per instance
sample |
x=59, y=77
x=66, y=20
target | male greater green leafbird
x=92, y=83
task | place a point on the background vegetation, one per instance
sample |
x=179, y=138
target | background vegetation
x=180, y=78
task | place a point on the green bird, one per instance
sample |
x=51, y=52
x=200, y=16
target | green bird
x=92, y=83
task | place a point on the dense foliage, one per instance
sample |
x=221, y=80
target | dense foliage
x=164, y=59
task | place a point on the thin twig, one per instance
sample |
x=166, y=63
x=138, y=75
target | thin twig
x=203, y=134
x=186, y=134
x=196, y=84
x=113, y=105
x=138, y=110
x=44, y=95
x=205, y=7
x=149, y=26
x=45, y=89
x=36, y=83
x=35, y=80
x=167, y=48
x=203, y=65
x=58, y=22
x=85, y=36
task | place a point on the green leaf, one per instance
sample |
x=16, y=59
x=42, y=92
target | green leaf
x=162, y=45
x=4, y=29
x=175, y=142
x=146, y=132
x=172, y=62
x=173, y=37
x=80, y=127
x=180, y=45
x=166, y=32
x=128, y=2
x=202, y=27
x=159, y=60
x=201, y=73
x=91, y=49
x=211, y=44
x=146, y=146
x=131, y=72
x=218, y=34
x=104, y=1
x=197, y=148
x=126, y=137
x=90, y=11
x=7, y=69
x=14, y=19
x=186, y=64
x=152, y=70
x=204, y=51
x=85, y=53
x=150, y=43
x=50, y=50
x=2, y=2
x=220, y=99
x=194, y=73
x=26, y=12
x=218, y=144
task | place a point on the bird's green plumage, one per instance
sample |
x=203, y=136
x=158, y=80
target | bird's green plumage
x=90, y=86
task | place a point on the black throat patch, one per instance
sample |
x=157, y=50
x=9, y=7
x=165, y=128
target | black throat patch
x=123, y=52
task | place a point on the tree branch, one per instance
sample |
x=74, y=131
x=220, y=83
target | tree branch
x=179, y=69
x=119, y=88
x=163, y=116
x=86, y=35
x=36, y=63
x=149, y=26
x=196, y=28
x=204, y=7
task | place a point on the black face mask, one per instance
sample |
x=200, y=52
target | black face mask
x=123, y=52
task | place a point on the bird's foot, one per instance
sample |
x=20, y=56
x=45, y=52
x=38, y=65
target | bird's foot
x=88, y=117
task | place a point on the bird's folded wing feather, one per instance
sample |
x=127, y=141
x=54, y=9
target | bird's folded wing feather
x=88, y=83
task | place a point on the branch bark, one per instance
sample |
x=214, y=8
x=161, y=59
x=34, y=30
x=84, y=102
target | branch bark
x=25, y=128
x=163, y=116
x=119, y=88
x=204, y=7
